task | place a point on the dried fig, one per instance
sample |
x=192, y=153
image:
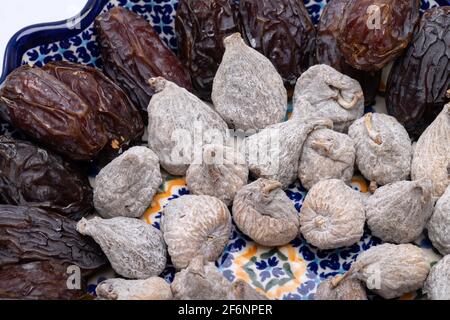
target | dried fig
x=375, y=32
x=173, y=137
x=274, y=152
x=135, y=249
x=221, y=174
x=439, y=224
x=195, y=225
x=348, y=289
x=262, y=211
x=383, y=148
x=243, y=291
x=323, y=92
x=332, y=215
x=326, y=154
x=431, y=157
x=248, y=92
x=328, y=52
x=281, y=30
x=132, y=52
x=120, y=289
x=201, y=26
x=201, y=281
x=125, y=187
x=437, y=285
x=399, y=212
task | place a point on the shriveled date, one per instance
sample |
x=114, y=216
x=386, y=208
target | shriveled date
x=373, y=33
x=132, y=53
x=282, y=31
x=31, y=234
x=417, y=85
x=48, y=111
x=201, y=26
x=33, y=176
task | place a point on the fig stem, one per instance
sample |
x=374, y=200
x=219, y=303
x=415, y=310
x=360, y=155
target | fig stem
x=375, y=136
x=270, y=186
x=157, y=84
x=322, y=145
x=373, y=187
x=348, y=105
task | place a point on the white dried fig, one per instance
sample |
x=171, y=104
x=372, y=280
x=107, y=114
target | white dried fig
x=437, y=286
x=248, y=92
x=126, y=186
x=120, y=289
x=326, y=154
x=195, y=225
x=383, y=148
x=135, y=249
x=439, y=224
x=348, y=289
x=262, y=211
x=179, y=122
x=399, y=212
x=332, y=215
x=323, y=92
x=221, y=174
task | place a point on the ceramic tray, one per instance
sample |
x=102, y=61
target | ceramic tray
x=289, y=272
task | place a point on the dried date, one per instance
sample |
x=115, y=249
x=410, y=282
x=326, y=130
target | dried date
x=32, y=234
x=418, y=82
x=327, y=50
x=374, y=33
x=33, y=176
x=282, y=31
x=201, y=26
x=121, y=119
x=132, y=53
x=48, y=111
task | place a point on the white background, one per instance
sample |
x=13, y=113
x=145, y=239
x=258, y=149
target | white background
x=17, y=14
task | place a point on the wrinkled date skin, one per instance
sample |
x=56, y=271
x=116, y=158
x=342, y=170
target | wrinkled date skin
x=375, y=32
x=32, y=234
x=50, y=113
x=39, y=280
x=122, y=120
x=201, y=26
x=132, y=53
x=33, y=176
x=282, y=31
x=417, y=85
x=327, y=50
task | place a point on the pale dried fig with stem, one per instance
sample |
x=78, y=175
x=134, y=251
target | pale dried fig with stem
x=439, y=224
x=195, y=225
x=324, y=92
x=431, y=157
x=348, y=289
x=399, y=212
x=390, y=270
x=332, y=215
x=120, y=289
x=263, y=211
x=179, y=123
x=437, y=286
x=248, y=92
x=326, y=154
x=201, y=280
x=126, y=186
x=135, y=249
x=274, y=152
x=383, y=149
x=221, y=173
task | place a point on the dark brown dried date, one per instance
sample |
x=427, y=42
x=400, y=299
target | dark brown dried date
x=49, y=112
x=201, y=26
x=132, y=53
x=40, y=280
x=375, y=32
x=33, y=176
x=32, y=234
x=281, y=30
x=121, y=119
x=418, y=82
x=327, y=50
